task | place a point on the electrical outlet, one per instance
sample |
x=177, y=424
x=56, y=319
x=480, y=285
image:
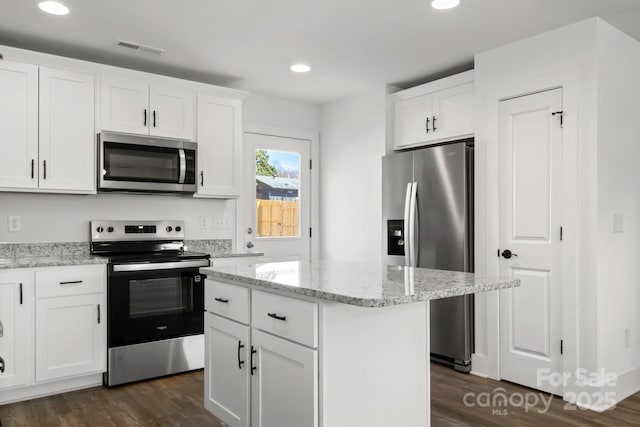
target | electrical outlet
x=627, y=338
x=14, y=223
x=205, y=222
x=617, y=222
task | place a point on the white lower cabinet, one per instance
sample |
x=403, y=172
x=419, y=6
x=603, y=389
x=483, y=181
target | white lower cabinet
x=53, y=329
x=227, y=370
x=255, y=378
x=16, y=325
x=284, y=385
x=70, y=336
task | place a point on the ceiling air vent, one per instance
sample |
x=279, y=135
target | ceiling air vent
x=140, y=47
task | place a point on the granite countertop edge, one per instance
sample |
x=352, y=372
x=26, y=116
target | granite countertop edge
x=49, y=261
x=237, y=255
x=496, y=284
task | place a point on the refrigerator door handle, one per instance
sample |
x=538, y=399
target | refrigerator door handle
x=415, y=226
x=407, y=229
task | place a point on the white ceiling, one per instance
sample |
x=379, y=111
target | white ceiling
x=250, y=44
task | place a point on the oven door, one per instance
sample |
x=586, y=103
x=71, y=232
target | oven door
x=135, y=163
x=148, y=304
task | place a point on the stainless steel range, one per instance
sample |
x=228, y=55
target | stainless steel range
x=155, y=299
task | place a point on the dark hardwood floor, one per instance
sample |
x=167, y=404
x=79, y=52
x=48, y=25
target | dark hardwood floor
x=178, y=401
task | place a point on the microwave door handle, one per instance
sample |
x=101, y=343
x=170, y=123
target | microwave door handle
x=183, y=166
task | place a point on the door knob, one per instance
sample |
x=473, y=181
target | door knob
x=249, y=245
x=507, y=254
x=249, y=230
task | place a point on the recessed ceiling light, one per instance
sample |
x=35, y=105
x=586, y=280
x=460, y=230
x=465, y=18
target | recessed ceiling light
x=53, y=7
x=444, y=4
x=300, y=68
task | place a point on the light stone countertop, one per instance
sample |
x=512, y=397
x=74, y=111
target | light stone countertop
x=360, y=284
x=49, y=261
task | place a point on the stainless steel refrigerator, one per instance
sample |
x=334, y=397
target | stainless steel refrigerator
x=427, y=210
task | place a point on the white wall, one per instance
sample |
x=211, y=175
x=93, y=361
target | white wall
x=65, y=218
x=278, y=112
x=618, y=192
x=352, y=142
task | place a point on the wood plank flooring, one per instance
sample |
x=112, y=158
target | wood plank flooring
x=178, y=401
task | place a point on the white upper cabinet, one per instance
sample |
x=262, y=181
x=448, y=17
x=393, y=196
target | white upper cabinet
x=435, y=112
x=66, y=131
x=172, y=112
x=412, y=120
x=453, y=112
x=18, y=125
x=219, y=146
x=125, y=105
x=133, y=106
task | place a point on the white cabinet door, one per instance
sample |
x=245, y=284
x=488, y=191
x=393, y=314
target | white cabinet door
x=227, y=370
x=452, y=113
x=16, y=326
x=413, y=121
x=18, y=125
x=284, y=389
x=67, y=138
x=70, y=336
x=125, y=106
x=172, y=113
x=219, y=146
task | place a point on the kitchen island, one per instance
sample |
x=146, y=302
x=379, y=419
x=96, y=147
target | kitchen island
x=324, y=343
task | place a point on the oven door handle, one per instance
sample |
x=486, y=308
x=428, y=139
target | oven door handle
x=183, y=166
x=161, y=265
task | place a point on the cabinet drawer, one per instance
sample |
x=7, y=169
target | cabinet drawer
x=70, y=281
x=286, y=317
x=227, y=300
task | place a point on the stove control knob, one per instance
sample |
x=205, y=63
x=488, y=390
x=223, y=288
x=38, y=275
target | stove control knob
x=100, y=229
x=178, y=229
x=169, y=229
x=110, y=229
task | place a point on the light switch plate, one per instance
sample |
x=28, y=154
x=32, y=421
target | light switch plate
x=617, y=222
x=14, y=223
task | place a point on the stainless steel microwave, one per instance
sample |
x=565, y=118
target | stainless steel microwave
x=145, y=164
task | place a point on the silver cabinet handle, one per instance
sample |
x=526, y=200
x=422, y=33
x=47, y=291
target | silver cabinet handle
x=1, y=329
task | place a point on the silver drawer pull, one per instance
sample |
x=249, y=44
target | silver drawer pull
x=275, y=316
x=1, y=329
x=72, y=282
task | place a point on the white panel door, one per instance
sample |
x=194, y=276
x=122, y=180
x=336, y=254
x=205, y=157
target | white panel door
x=172, y=113
x=70, y=336
x=219, y=147
x=277, y=197
x=413, y=121
x=284, y=387
x=530, y=200
x=452, y=113
x=18, y=125
x=16, y=325
x=67, y=133
x=227, y=370
x=125, y=106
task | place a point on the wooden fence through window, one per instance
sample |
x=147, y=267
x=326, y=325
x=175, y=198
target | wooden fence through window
x=277, y=218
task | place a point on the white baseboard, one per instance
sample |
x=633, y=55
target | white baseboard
x=50, y=388
x=628, y=383
x=484, y=367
